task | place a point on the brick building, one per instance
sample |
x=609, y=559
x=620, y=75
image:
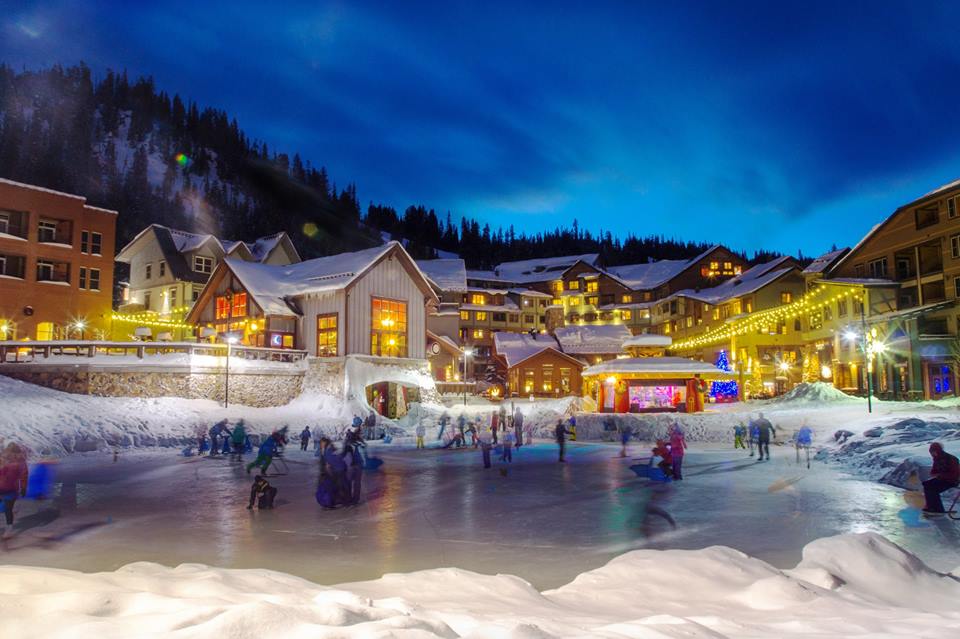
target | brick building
x=56, y=264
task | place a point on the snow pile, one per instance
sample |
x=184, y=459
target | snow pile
x=893, y=450
x=850, y=585
x=814, y=393
x=649, y=427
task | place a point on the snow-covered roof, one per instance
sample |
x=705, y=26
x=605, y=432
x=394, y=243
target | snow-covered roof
x=823, y=262
x=649, y=275
x=508, y=306
x=446, y=274
x=271, y=285
x=678, y=367
x=517, y=347
x=178, y=241
x=938, y=190
x=664, y=341
x=449, y=342
x=541, y=269
x=483, y=276
x=859, y=281
x=592, y=340
x=750, y=281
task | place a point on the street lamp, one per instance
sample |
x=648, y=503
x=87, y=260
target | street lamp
x=231, y=340
x=467, y=352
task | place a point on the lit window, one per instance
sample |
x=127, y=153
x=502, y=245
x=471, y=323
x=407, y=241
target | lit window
x=627, y=299
x=481, y=316
x=388, y=328
x=478, y=298
x=465, y=316
x=626, y=315
x=327, y=335
x=239, y=305
x=786, y=297
x=558, y=286
x=574, y=301
x=593, y=300
x=478, y=333
x=557, y=301
x=593, y=286
x=727, y=266
x=737, y=270
x=573, y=285
x=714, y=266
x=666, y=328
x=223, y=307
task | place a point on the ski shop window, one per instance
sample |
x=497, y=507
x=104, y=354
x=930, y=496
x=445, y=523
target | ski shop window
x=388, y=327
x=239, y=307
x=202, y=264
x=327, y=335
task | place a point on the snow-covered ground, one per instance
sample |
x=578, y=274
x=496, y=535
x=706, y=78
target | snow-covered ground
x=845, y=586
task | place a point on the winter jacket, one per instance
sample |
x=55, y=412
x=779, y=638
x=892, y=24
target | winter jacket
x=268, y=447
x=334, y=461
x=946, y=467
x=421, y=430
x=239, y=435
x=677, y=444
x=13, y=478
x=805, y=436
x=305, y=434
x=518, y=420
x=764, y=429
x=561, y=432
x=259, y=486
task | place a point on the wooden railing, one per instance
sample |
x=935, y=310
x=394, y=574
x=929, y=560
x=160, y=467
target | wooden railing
x=15, y=352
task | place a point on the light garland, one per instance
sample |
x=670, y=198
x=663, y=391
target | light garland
x=148, y=319
x=806, y=305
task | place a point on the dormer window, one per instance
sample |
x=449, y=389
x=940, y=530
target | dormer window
x=202, y=264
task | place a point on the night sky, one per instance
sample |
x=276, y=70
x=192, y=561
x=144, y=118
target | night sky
x=752, y=124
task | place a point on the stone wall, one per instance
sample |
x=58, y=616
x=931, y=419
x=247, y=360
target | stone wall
x=325, y=375
x=249, y=387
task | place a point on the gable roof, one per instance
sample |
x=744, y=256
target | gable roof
x=540, y=269
x=446, y=274
x=592, y=340
x=649, y=275
x=516, y=348
x=274, y=287
x=750, y=281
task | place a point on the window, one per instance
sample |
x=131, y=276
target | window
x=478, y=333
x=955, y=246
x=558, y=286
x=689, y=321
x=786, y=297
x=499, y=317
x=841, y=308
x=13, y=223
x=593, y=286
x=714, y=266
x=222, y=307
x=196, y=294
x=626, y=299
x=202, y=264
x=573, y=285
x=46, y=331
x=878, y=268
x=90, y=243
x=239, y=305
x=163, y=268
x=481, y=316
x=388, y=327
x=82, y=279
x=626, y=315
x=528, y=319
x=956, y=287
x=593, y=300
x=50, y=271
x=465, y=316
x=728, y=266
x=952, y=207
x=557, y=301
x=146, y=301
x=12, y=266
x=478, y=298
x=574, y=301
x=666, y=328
x=327, y=335
x=858, y=270
x=737, y=270
x=148, y=273
x=47, y=231
x=827, y=313
x=172, y=295
x=748, y=305
x=528, y=380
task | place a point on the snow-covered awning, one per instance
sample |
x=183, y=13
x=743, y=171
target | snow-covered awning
x=657, y=368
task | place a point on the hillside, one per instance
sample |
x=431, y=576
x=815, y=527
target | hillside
x=130, y=146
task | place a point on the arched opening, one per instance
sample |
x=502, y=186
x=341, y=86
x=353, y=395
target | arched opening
x=392, y=399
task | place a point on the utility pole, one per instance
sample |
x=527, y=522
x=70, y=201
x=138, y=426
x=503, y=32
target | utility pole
x=867, y=355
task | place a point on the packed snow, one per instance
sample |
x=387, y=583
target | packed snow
x=857, y=585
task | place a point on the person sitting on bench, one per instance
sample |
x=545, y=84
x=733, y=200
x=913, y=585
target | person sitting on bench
x=944, y=475
x=262, y=488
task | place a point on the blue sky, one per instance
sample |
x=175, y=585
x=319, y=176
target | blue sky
x=788, y=127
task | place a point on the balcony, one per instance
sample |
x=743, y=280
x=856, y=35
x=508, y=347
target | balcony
x=50, y=231
x=13, y=224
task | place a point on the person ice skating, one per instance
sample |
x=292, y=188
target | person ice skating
x=494, y=426
x=678, y=444
x=753, y=435
x=13, y=479
x=764, y=430
x=573, y=428
x=220, y=428
x=238, y=438
x=485, y=445
x=738, y=433
x=461, y=425
x=443, y=424
x=264, y=455
x=662, y=452
x=804, y=441
x=625, y=433
x=333, y=465
x=944, y=475
x=304, y=438
x=370, y=426
x=261, y=492
x=421, y=431
x=354, y=472
x=454, y=440
x=508, y=439
x=518, y=426
x=472, y=429
x=561, y=432
x=317, y=434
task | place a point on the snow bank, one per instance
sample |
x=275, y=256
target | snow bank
x=850, y=585
x=813, y=393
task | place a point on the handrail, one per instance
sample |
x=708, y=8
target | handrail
x=28, y=351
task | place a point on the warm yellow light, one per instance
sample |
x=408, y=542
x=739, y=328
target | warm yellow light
x=611, y=380
x=784, y=366
x=391, y=342
x=825, y=372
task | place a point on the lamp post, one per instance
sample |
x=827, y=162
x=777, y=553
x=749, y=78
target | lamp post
x=467, y=352
x=231, y=340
